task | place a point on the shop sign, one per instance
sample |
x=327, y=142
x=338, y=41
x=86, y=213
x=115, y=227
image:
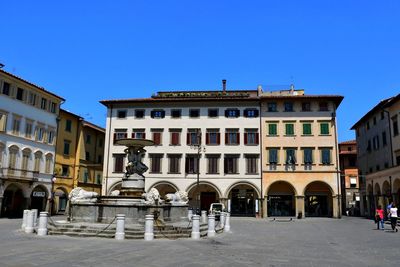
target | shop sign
x=38, y=194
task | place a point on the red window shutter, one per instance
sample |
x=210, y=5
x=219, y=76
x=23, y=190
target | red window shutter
x=257, y=139
x=218, y=138
x=115, y=137
x=133, y=135
x=245, y=138
x=188, y=139
x=226, y=139
x=144, y=135
x=173, y=139
x=207, y=138
x=126, y=135
x=237, y=138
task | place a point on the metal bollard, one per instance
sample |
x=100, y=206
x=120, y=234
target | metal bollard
x=211, y=225
x=227, y=227
x=120, y=229
x=196, y=227
x=149, y=227
x=35, y=212
x=190, y=214
x=29, y=222
x=42, y=230
x=222, y=219
x=203, y=216
x=24, y=219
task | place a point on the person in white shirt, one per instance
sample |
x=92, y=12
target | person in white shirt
x=393, y=217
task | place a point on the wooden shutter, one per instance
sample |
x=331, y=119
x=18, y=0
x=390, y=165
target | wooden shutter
x=156, y=138
x=207, y=138
x=115, y=138
x=257, y=138
x=133, y=135
x=226, y=139
x=245, y=138
x=218, y=138
x=237, y=138
x=144, y=135
x=188, y=139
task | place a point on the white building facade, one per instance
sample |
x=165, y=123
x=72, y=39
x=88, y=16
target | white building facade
x=218, y=128
x=28, y=126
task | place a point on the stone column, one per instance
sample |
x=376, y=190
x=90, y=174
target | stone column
x=149, y=228
x=24, y=219
x=222, y=219
x=335, y=206
x=29, y=222
x=42, y=230
x=203, y=216
x=196, y=227
x=35, y=212
x=227, y=228
x=211, y=225
x=120, y=229
x=265, y=207
x=190, y=214
x=300, y=207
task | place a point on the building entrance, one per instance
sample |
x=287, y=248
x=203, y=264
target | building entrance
x=318, y=200
x=243, y=202
x=280, y=205
x=38, y=199
x=13, y=202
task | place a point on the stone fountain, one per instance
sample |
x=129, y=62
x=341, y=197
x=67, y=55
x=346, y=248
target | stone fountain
x=131, y=199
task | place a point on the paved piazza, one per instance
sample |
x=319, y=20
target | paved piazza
x=254, y=242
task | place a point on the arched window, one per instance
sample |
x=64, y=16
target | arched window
x=12, y=162
x=49, y=163
x=38, y=158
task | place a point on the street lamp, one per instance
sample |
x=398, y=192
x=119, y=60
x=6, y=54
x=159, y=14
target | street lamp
x=53, y=180
x=197, y=145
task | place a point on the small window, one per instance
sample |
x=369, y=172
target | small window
x=307, y=129
x=367, y=125
x=232, y=113
x=273, y=156
x=139, y=113
x=99, y=159
x=306, y=106
x=87, y=156
x=68, y=124
x=3, y=122
x=374, y=120
x=272, y=129
x=323, y=106
x=213, y=112
x=271, y=107
x=290, y=156
x=88, y=139
x=20, y=94
x=194, y=113
x=382, y=115
x=65, y=171
x=326, y=156
x=66, y=147
x=288, y=106
x=6, y=88
x=251, y=113
x=121, y=114
x=32, y=98
x=158, y=114
x=176, y=113
x=324, y=128
x=289, y=127
x=53, y=107
x=308, y=159
x=43, y=104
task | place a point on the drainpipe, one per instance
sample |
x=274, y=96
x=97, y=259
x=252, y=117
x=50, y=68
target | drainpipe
x=108, y=149
x=337, y=164
x=261, y=208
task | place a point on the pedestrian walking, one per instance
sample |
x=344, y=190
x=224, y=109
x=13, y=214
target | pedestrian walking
x=388, y=207
x=393, y=217
x=379, y=217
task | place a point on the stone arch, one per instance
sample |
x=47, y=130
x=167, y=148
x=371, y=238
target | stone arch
x=26, y=150
x=377, y=189
x=318, y=199
x=202, y=197
x=115, y=186
x=253, y=186
x=164, y=187
x=13, y=202
x=39, y=196
x=243, y=198
x=369, y=189
x=386, y=188
x=281, y=199
x=396, y=190
x=14, y=148
x=60, y=199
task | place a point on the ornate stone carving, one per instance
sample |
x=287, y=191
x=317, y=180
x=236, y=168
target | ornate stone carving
x=79, y=195
x=135, y=164
x=180, y=197
x=152, y=197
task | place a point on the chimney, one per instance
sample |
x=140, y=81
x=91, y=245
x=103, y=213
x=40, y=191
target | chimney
x=224, y=85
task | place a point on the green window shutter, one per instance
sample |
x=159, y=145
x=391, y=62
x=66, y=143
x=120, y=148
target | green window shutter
x=306, y=128
x=272, y=129
x=324, y=128
x=289, y=129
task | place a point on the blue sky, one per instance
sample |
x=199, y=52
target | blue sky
x=86, y=51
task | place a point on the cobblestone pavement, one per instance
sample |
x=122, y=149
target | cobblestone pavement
x=253, y=242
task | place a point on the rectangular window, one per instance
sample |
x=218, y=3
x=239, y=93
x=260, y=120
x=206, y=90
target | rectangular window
x=367, y=125
x=308, y=156
x=374, y=120
x=68, y=125
x=49, y=163
x=175, y=137
x=194, y=113
x=138, y=134
x=6, y=88
x=98, y=179
x=174, y=163
x=212, y=164
x=213, y=137
x=191, y=164
x=25, y=160
x=395, y=126
x=28, y=130
x=369, y=146
x=157, y=138
x=289, y=127
x=37, y=163
x=272, y=129
x=53, y=107
x=40, y=133
x=16, y=125
x=65, y=171
x=323, y=106
x=88, y=139
x=155, y=163
x=193, y=137
x=50, y=137
x=120, y=134
x=290, y=156
x=99, y=159
x=213, y=112
x=271, y=107
x=66, y=147
x=251, y=164
x=32, y=99
x=121, y=114
x=273, y=156
x=231, y=164
x=326, y=156
x=119, y=162
x=251, y=137
x=232, y=137
x=288, y=106
x=3, y=122
x=157, y=114
x=324, y=127
x=139, y=113
x=307, y=129
x=306, y=106
x=20, y=94
x=12, y=161
x=250, y=113
x=384, y=140
x=43, y=104
x=87, y=156
x=176, y=113
x=85, y=176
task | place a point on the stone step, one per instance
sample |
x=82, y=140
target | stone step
x=127, y=236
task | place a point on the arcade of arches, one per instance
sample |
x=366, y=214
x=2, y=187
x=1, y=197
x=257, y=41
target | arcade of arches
x=381, y=195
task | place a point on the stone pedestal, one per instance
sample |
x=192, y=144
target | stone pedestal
x=120, y=229
x=203, y=216
x=29, y=222
x=132, y=186
x=149, y=228
x=211, y=225
x=196, y=227
x=42, y=230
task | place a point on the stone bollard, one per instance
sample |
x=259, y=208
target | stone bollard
x=149, y=228
x=42, y=230
x=196, y=227
x=120, y=229
x=211, y=225
x=222, y=219
x=203, y=216
x=24, y=219
x=35, y=212
x=227, y=227
x=190, y=214
x=29, y=222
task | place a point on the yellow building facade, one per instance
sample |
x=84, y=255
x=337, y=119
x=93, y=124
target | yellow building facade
x=299, y=155
x=79, y=158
